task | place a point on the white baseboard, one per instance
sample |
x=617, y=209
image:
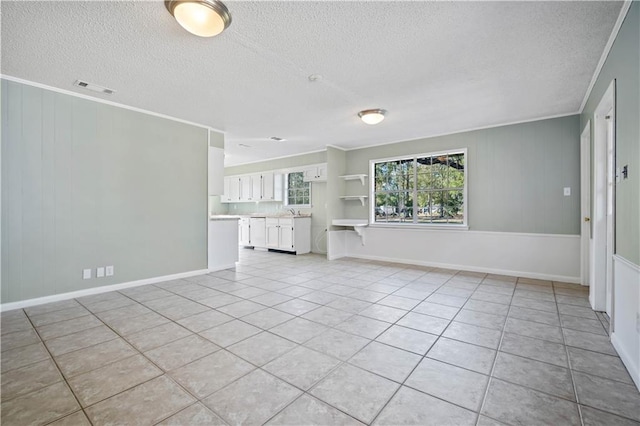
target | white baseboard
x=96, y=290
x=522, y=274
x=222, y=267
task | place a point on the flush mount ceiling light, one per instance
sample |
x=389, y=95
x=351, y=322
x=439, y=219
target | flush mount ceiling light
x=204, y=18
x=372, y=116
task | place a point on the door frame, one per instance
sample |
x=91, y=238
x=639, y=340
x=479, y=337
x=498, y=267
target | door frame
x=585, y=204
x=603, y=204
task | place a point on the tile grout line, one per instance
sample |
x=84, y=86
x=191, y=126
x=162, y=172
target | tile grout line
x=569, y=364
x=419, y=362
x=495, y=359
x=64, y=378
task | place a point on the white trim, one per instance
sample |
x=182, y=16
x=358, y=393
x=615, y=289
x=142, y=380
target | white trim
x=104, y=101
x=337, y=147
x=97, y=290
x=585, y=203
x=473, y=129
x=629, y=264
x=280, y=158
x=563, y=278
x=221, y=267
x=605, y=53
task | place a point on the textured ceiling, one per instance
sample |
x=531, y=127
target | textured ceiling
x=437, y=67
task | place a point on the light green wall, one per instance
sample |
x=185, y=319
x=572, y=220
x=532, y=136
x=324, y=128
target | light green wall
x=318, y=195
x=216, y=139
x=85, y=184
x=516, y=175
x=623, y=65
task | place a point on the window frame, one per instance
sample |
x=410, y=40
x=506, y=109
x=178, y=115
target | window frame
x=414, y=223
x=286, y=190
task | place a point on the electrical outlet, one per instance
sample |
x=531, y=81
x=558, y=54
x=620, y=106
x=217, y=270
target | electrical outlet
x=109, y=270
x=86, y=274
x=100, y=272
x=567, y=191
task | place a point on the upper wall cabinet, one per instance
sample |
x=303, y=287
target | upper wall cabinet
x=316, y=173
x=216, y=171
x=266, y=186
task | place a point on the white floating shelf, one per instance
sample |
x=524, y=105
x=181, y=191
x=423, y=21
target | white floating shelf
x=362, y=198
x=360, y=177
x=350, y=222
x=357, y=224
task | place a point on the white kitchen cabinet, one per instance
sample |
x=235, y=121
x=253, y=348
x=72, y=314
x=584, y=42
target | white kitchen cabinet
x=244, y=231
x=246, y=188
x=231, y=190
x=216, y=171
x=272, y=233
x=266, y=186
x=316, y=173
x=257, y=232
x=271, y=186
x=256, y=187
x=289, y=234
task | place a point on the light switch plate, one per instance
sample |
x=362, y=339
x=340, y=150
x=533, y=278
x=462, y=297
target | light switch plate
x=109, y=271
x=567, y=191
x=100, y=272
x=86, y=274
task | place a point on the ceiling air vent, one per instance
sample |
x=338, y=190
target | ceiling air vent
x=94, y=87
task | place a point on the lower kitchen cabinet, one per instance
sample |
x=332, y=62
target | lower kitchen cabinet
x=257, y=232
x=289, y=234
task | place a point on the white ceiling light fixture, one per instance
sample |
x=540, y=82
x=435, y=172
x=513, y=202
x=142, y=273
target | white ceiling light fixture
x=372, y=116
x=204, y=18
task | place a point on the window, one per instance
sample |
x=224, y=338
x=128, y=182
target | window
x=298, y=191
x=426, y=189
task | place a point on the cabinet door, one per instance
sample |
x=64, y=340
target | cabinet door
x=246, y=189
x=309, y=174
x=321, y=173
x=244, y=232
x=234, y=189
x=256, y=187
x=258, y=232
x=272, y=234
x=286, y=234
x=268, y=188
x=226, y=196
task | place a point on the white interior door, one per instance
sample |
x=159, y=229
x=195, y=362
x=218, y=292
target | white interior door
x=585, y=203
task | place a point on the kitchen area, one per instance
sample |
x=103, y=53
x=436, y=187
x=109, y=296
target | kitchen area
x=279, y=210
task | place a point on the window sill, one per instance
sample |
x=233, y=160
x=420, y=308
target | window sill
x=400, y=225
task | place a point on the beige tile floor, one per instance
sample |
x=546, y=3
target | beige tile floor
x=299, y=340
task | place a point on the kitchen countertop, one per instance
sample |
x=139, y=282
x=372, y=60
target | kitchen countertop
x=223, y=217
x=283, y=215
